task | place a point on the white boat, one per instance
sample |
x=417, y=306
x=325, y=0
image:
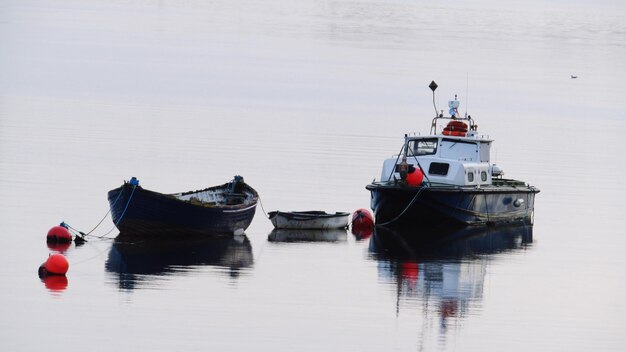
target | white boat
x=447, y=177
x=314, y=219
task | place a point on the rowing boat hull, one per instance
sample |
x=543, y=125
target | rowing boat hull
x=309, y=220
x=140, y=212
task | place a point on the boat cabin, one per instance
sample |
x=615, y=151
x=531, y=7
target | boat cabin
x=461, y=160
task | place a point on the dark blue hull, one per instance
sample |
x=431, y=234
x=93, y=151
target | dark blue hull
x=403, y=206
x=140, y=212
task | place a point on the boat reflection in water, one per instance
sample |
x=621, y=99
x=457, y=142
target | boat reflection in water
x=136, y=262
x=443, y=272
x=302, y=235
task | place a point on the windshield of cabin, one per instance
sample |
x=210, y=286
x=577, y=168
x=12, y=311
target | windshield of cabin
x=422, y=147
x=459, y=150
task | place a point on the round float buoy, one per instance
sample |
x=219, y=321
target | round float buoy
x=415, y=178
x=362, y=224
x=59, y=234
x=362, y=218
x=56, y=264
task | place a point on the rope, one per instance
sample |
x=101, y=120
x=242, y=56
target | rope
x=406, y=208
x=396, y=163
x=262, y=208
x=416, y=194
x=105, y=215
x=420, y=166
x=91, y=258
x=82, y=234
x=127, y=204
x=123, y=212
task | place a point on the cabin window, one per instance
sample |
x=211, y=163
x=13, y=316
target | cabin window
x=470, y=176
x=483, y=176
x=438, y=169
x=484, y=151
x=423, y=147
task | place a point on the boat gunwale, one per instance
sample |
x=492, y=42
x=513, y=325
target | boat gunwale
x=248, y=203
x=508, y=186
x=306, y=215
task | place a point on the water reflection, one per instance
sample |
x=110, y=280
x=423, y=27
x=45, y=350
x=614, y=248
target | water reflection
x=442, y=272
x=300, y=235
x=135, y=262
x=55, y=283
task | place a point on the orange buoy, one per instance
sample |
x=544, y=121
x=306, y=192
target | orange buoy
x=59, y=234
x=56, y=264
x=415, y=178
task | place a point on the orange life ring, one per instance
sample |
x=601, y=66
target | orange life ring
x=453, y=133
x=455, y=128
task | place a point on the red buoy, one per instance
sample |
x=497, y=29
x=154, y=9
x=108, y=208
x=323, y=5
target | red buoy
x=415, y=178
x=59, y=234
x=56, y=264
x=362, y=224
x=362, y=218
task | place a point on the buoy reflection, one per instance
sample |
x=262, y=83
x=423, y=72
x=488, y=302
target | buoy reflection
x=55, y=283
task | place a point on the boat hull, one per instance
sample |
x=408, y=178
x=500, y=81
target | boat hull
x=397, y=205
x=140, y=212
x=318, y=220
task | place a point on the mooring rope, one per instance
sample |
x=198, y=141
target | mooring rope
x=127, y=204
x=82, y=234
x=406, y=208
x=419, y=165
x=396, y=163
x=262, y=208
x=105, y=215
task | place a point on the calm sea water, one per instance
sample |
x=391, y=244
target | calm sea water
x=305, y=99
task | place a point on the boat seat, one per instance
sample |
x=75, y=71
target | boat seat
x=234, y=198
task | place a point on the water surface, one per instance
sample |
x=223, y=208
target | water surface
x=305, y=99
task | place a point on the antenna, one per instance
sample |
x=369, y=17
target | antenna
x=432, y=87
x=466, y=93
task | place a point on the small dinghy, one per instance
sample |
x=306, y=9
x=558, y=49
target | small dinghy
x=314, y=219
